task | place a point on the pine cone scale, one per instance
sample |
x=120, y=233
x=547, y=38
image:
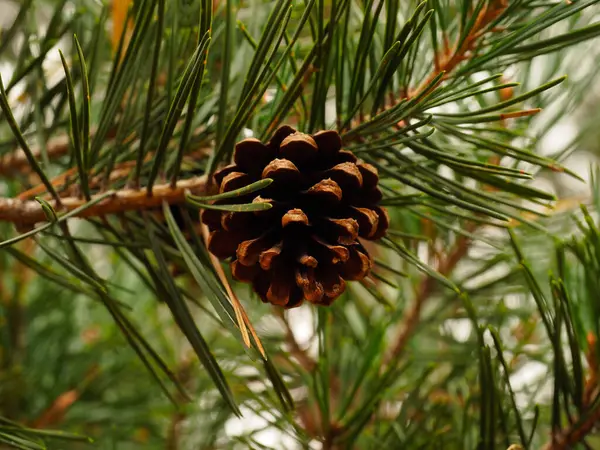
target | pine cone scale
x=369, y=175
x=244, y=273
x=346, y=175
x=329, y=142
x=248, y=252
x=299, y=148
x=282, y=170
x=251, y=153
x=233, y=181
x=270, y=255
x=294, y=217
x=327, y=191
x=357, y=265
x=368, y=221
x=312, y=291
x=345, y=230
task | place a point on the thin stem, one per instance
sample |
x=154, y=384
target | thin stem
x=425, y=291
x=29, y=212
x=303, y=358
x=119, y=171
x=574, y=434
x=184, y=375
x=55, y=413
x=452, y=58
x=448, y=62
x=17, y=162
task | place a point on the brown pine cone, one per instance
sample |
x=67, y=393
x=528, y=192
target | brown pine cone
x=306, y=245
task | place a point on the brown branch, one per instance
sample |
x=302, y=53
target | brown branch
x=446, y=62
x=16, y=161
x=303, y=358
x=28, y=212
x=424, y=292
x=56, y=412
x=568, y=438
x=591, y=382
x=13, y=303
x=120, y=171
x=185, y=376
x=308, y=413
x=450, y=59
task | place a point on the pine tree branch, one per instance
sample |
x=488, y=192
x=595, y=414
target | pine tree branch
x=303, y=358
x=445, y=267
x=119, y=172
x=591, y=382
x=16, y=161
x=174, y=431
x=28, y=212
x=56, y=412
x=577, y=431
x=425, y=290
x=574, y=434
x=448, y=61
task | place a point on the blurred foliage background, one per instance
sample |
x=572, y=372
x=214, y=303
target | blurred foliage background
x=479, y=328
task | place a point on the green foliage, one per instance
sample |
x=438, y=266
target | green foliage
x=122, y=327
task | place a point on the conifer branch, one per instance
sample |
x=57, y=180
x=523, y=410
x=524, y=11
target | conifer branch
x=16, y=161
x=28, y=212
x=55, y=413
x=575, y=433
x=422, y=94
x=303, y=358
x=448, y=61
x=578, y=430
x=425, y=290
x=119, y=172
x=179, y=416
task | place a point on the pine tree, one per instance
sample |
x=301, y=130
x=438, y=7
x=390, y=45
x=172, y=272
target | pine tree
x=327, y=224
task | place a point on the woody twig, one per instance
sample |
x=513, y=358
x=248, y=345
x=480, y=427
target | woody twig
x=29, y=212
x=17, y=162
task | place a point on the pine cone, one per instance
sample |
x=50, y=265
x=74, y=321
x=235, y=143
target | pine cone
x=306, y=245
